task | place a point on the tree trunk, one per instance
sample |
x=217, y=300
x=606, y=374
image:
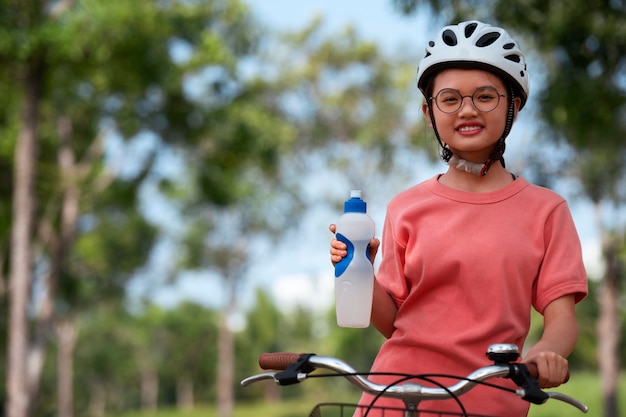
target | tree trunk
x=608, y=326
x=149, y=389
x=66, y=334
x=97, y=399
x=225, y=367
x=17, y=404
x=184, y=393
x=3, y=278
x=58, y=244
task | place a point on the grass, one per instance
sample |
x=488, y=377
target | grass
x=290, y=408
x=583, y=386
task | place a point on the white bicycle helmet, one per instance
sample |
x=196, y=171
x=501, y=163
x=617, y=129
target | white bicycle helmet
x=474, y=44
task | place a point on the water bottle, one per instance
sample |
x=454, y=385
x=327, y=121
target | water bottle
x=354, y=275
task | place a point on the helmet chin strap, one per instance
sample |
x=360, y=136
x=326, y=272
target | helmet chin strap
x=467, y=166
x=498, y=153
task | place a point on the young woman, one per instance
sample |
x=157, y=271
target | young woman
x=466, y=254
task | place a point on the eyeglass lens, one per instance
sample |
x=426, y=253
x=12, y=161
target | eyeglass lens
x=484, y=99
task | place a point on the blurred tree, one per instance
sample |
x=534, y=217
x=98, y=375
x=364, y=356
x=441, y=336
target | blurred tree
x=107, y=355
x=191, y=356
x=151, y=357
x=219, y=241
x=87, y=71
x=357, y=346
x=308, y=95
x=152, y=351
x=25, y=123
x=582, y=105
x=264, y=332
x=343, y=91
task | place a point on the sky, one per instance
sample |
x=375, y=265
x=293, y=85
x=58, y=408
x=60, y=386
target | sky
x=292, y=272
x=374, y=19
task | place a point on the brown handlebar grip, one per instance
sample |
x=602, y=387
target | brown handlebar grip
x=534, y=372
x=277, y=360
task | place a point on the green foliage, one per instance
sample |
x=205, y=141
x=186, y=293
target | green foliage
x=115, y=68
x=114, y=347
x=265, y=325
x=346, y=91
x=108, y=359
x=264, y=332
x=103, y=255
x=584, y=44
x=356, y=346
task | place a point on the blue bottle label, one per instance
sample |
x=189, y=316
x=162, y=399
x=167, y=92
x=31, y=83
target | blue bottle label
x=342, y=265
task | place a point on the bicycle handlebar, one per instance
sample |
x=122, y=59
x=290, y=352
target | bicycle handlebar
x=295, y=368
x=282, y=360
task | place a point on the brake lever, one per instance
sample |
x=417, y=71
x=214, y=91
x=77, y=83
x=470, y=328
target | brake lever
x=531, y=391
x=259, y=377
x=295, y=372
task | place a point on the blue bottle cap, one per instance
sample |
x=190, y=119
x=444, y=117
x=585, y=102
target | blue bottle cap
x=355, y=204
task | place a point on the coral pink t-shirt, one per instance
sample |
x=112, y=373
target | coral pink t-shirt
x=464, y=270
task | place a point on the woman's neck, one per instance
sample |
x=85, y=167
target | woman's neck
x=459, y=177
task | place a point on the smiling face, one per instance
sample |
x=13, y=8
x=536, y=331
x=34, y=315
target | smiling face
x=471, y=134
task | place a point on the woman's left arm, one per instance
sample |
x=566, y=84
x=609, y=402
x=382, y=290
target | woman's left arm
x=559, y=338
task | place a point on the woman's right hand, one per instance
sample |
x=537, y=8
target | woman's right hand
x=338, y=249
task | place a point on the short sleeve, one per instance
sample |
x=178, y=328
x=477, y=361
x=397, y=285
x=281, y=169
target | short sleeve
x=562, y=270
x=391, y=271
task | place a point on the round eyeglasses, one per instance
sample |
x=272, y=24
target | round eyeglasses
x=484, y=99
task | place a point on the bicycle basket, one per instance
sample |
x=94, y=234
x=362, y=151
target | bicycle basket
x=349, y=410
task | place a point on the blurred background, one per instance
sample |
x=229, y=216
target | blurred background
x=170, y=169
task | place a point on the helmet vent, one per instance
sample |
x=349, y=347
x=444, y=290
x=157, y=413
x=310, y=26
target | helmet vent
x=474, y=44
x=469, y=29
x=513, y=57
x=487, y=39
x=449, y=38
